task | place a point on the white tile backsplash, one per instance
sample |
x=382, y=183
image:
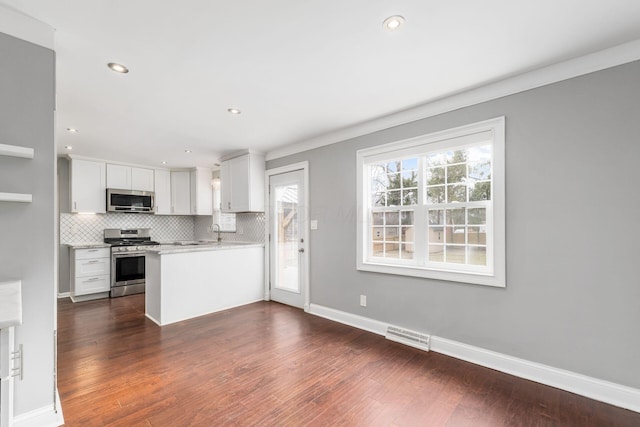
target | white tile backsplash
x=78, y=228
x=249, y=228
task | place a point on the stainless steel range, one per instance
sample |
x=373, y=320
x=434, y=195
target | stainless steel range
x=128, y=259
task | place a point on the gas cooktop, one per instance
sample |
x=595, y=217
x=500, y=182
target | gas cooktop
x=128, y=237
x=131, y=242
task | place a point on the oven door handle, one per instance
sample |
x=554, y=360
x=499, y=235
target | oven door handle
x=128, y=254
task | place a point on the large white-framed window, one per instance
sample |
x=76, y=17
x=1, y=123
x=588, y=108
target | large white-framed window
x=434, y=206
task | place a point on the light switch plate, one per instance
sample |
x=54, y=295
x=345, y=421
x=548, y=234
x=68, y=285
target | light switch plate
x=314, y=224
x=363, y=300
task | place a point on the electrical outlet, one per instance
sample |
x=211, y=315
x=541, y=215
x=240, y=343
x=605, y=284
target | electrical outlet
x=363, y=300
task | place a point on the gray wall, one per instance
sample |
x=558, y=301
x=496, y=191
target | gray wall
x=27, y=230
x=572, y=299
x=64, y=283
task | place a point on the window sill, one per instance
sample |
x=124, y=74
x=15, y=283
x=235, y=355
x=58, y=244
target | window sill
x=428, y=273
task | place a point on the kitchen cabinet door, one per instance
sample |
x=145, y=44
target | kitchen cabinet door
x=142, y=179
x=88, y=186
x=225, y=186
x=92, y=285
x=119, y=177
x=162, y=189
x=129, y=178
x=180, y=193
x=90, y=274
x=242, y=183
x=201, y=191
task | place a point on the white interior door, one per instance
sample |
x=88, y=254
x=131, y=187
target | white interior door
x=288, y=238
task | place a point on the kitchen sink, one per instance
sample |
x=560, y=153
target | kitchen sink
x=188, y=243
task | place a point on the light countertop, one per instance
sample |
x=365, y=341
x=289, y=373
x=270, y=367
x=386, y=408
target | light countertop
x=184, y=247
x=10, y=304
x=88, y=245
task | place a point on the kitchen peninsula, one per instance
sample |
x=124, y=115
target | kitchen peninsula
x=193, y=280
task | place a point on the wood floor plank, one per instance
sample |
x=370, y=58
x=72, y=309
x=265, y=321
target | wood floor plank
x=267, y=364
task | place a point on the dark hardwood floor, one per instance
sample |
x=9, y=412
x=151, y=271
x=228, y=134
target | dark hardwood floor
x=268, y=364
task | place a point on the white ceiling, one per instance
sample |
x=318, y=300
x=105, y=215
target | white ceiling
x=297, y=69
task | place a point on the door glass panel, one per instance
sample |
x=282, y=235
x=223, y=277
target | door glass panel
x=287, y=238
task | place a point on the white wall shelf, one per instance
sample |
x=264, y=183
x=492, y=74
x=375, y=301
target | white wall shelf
x=16, y=197
x=16, y=151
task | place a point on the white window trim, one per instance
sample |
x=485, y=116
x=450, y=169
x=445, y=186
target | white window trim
x=365, y=156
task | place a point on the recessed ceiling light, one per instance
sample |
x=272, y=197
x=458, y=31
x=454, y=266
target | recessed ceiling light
x=234, y=111
x=163, y=162
x=72, y=130
x=68, y=147
x=393, y=22
x=187, y=151
x=118, y=68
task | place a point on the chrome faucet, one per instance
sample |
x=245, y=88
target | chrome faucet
x=218, y=239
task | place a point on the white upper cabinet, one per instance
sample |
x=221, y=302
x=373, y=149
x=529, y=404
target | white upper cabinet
x=242, y=183
x=129, y=178
x=180, y=193
x=119, y=177
x=142, y=179
x=88, y=186
x=201, y=191
x=162, y=189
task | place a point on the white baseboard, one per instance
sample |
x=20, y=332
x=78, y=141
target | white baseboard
x=182, y=319
x=354, y=320
x=47, y=416
x=593, y=388
x=64, y=295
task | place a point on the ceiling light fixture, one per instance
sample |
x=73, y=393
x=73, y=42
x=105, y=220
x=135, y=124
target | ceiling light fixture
x=393, y=22
x=187, y=151
x=72, y=130
x=68, y=147
x=118, y=68
x=234, y=111
x=163, y=162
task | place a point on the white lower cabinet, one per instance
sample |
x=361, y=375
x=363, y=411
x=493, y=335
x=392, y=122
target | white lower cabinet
x=90, y=273
x=7, y=348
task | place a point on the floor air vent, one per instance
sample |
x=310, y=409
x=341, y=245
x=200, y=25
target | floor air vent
x=403, y=336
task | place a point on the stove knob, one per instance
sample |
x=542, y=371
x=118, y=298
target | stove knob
x=131, y=248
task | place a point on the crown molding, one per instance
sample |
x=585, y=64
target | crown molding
x=24, y=27
x=607, y=58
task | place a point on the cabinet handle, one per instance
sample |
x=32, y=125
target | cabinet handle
x=75, y=206
x=229, y=204
x=93, y=261
x=93, y=279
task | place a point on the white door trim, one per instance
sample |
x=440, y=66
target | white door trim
x=304, y=166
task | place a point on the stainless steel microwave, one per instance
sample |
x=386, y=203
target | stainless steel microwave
x=130, y=201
